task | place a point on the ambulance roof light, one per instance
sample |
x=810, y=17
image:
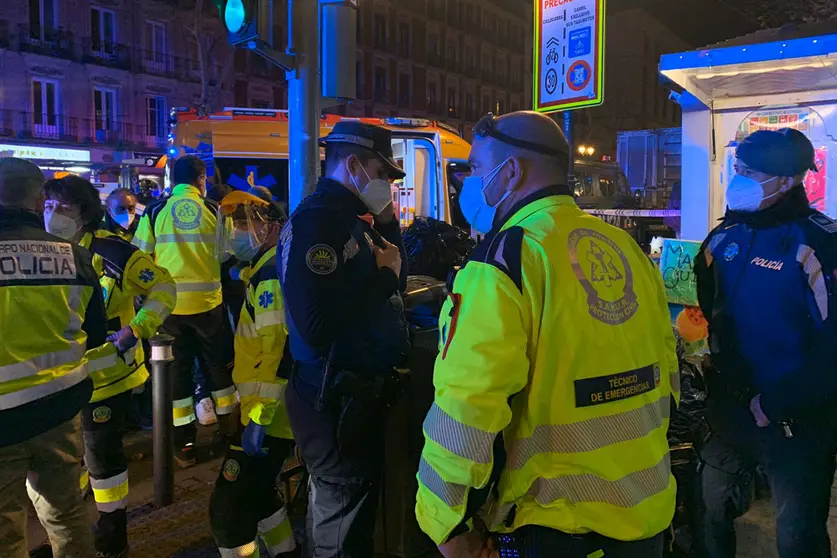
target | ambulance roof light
x=408, y=122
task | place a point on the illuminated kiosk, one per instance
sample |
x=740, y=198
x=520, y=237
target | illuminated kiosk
x=768, y=80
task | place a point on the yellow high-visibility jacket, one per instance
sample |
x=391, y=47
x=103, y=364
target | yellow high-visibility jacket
x=126, y=272
x=180, y=233
x=554, y=382
x=259, y=347
x=51, y=312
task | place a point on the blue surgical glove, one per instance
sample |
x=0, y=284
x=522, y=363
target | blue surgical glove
x=235, y=273
x=124, y=339
x=252, y=439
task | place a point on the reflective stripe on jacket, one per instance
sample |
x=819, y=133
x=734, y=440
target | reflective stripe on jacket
x=553, y=384
x=180, y=233
x=126, y=272
x=259, y=348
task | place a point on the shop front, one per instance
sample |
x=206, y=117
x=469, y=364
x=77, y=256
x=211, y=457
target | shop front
x=769, y=80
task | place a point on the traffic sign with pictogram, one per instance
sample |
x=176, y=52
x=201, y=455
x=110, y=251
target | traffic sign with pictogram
x=569, y=54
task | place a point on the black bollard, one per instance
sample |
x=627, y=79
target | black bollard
x=163, y=433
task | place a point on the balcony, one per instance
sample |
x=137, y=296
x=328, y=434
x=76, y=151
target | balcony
x=436, y=60
x=159, y=64
x=56, y=43
x=107, y=54
x=380, y=96
x=20, y=125
x=404, y=100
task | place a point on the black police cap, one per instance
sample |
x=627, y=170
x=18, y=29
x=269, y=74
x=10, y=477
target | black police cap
x=374, y=138
x=785, y=152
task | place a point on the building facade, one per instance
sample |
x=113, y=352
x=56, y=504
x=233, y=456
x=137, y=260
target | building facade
x=102, y=75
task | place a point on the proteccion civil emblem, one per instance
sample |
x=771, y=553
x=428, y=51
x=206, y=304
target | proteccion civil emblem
x=603, y=271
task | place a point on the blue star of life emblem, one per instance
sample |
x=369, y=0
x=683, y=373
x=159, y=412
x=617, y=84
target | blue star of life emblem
x=265, y=300
x=146, y=275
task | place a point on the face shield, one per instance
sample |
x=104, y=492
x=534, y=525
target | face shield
x=243, y=225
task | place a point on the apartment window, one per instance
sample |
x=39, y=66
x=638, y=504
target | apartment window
x=43, y=18
x=380, y=85
x=155, y=43
x=404, y=39
x=240, y=60
x=486, y=104
x=260, y=104
x=501, y=107
x=45, y=107
x=452, y=101
x=432, y=96
x=433, y=44
x=469, y=106
x=469, y=58
x=359, y=93
x=404, y=90
x=104, y=108
x=102, y=30
x=379, y=29
x=155, y=116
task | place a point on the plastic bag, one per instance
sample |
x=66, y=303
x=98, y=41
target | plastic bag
x=435, y=247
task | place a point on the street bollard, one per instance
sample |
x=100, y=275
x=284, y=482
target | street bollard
x=163, y=434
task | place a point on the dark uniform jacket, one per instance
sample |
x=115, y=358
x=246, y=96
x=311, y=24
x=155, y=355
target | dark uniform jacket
x=336, y=298
x=766, y=284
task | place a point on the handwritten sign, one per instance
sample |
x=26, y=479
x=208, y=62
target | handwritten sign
x=677, y=265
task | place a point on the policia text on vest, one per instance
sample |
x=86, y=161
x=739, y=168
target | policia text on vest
x=29, y=260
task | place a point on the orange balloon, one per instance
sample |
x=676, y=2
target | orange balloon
x=691, y=325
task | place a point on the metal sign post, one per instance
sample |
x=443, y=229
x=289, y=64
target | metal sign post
x=569, y=54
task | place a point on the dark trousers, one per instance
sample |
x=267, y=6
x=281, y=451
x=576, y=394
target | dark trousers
x=245, y=503
x=103, y=424
x=543, y=542
x=344, y=459
x=800, y=471
x=205, y=337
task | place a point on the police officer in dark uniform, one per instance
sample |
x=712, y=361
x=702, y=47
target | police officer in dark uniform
x=766, y=284
x=341, y=277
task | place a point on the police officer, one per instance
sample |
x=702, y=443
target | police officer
x=340, y=280
x=556, y=370
x=72, y=211
x=245, y=505
x=180, y=232
x=51, y=309
x=766, y=286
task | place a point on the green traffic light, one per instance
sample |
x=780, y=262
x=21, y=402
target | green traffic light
x=234, y=15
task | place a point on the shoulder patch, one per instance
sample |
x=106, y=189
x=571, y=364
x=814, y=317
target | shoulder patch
x=504, y=252
x=824, y=222
x=321, y=259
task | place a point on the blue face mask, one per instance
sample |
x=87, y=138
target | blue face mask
x=475, y=208
x=242, y=246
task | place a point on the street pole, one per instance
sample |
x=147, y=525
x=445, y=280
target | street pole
x=569, y=131
x=304, y=101
x=162, y=384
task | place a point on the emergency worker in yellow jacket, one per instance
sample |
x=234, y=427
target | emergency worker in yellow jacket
x=52, y=318
x=556, y=372
x=245, y=505
x=179, y=232
x=72, y=210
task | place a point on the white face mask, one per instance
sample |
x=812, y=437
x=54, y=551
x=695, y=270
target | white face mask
x=377, y=194
x=746, y=194
x=60, y=225
x=124, y=220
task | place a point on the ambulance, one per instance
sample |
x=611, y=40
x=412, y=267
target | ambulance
x=249, y=147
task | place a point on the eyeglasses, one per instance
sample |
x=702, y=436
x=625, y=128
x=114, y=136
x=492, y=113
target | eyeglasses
x=487, y=128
